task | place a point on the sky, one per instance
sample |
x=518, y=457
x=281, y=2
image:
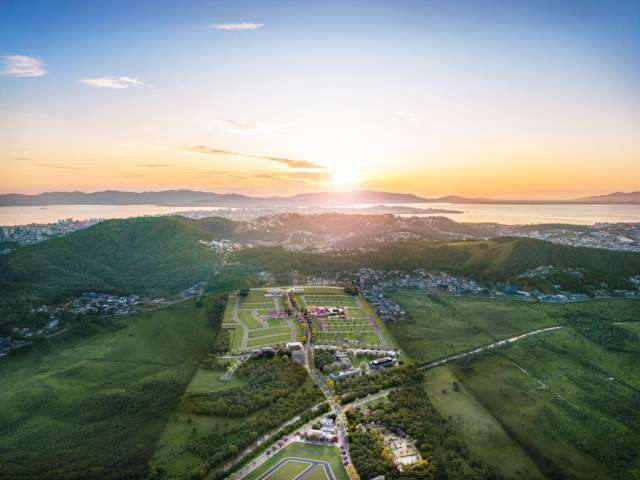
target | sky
x=502, y=99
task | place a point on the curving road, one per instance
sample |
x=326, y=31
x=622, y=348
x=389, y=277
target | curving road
x=310, y=464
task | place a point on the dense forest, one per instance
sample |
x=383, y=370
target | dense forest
x=361, y=386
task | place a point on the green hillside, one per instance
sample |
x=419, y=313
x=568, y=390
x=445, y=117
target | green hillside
x=159, y=256
x=498, y=260
x=565, y=400
x=92, y=404
x=145, y=255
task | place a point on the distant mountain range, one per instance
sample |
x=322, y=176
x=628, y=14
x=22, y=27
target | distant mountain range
x=202, y=199
x=617, y=197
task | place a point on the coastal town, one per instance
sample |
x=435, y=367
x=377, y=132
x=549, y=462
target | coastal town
x=610, y=236
x=328, y=232
x=38, y=232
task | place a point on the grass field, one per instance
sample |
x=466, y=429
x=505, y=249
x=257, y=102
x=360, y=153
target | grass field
x=171, y=452
x=482, y=431
x=206, y=381
x=558, y=401
x=268, y=331
x=93, y=405
x=236, y=338
x=289, y=470
x=271, y=340
x=227, y=320
x=330, y=455
x=442, y=325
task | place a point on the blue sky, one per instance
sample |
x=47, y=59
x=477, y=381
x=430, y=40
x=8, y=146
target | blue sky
x=475, y=98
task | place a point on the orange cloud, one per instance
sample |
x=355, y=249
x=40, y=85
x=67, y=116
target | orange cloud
x=291, y=163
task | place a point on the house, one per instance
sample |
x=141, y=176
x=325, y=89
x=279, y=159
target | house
x=298, y=356
x=344, y=374
x=274, y=292
x=292, y=346
x=381, y=363
x=328, y=425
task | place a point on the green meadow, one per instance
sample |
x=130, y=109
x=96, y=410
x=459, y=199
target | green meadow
x=441, y=324
x=561, y=404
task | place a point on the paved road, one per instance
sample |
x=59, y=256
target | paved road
x=229, y=373
x=245, y=329
x=310, y=464
x=259, y=444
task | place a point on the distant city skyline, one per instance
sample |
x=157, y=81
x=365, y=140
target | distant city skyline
x=477, y=99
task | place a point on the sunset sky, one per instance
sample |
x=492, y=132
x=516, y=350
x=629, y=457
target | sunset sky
x=496, y=99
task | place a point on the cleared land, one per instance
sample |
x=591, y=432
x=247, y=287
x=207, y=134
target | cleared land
x=94, y=403
x=564, y=400
x=331, y=455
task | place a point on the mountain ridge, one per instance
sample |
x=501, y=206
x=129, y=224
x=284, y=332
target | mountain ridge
x=194, y=198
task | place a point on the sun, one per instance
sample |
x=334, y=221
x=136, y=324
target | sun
x=345, y=178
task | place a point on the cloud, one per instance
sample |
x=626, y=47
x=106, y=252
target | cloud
x=293, y=163
x=22, y=66
x=281, y=160
x=229, y=27
x=112, y=82
x=296, y=177
x=231, y=126
x=154, y=165
x=212, y=151
x=58, y=166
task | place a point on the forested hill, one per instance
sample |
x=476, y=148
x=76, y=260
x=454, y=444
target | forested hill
x=498, y=260
x=163, y=255
x=147, y=255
